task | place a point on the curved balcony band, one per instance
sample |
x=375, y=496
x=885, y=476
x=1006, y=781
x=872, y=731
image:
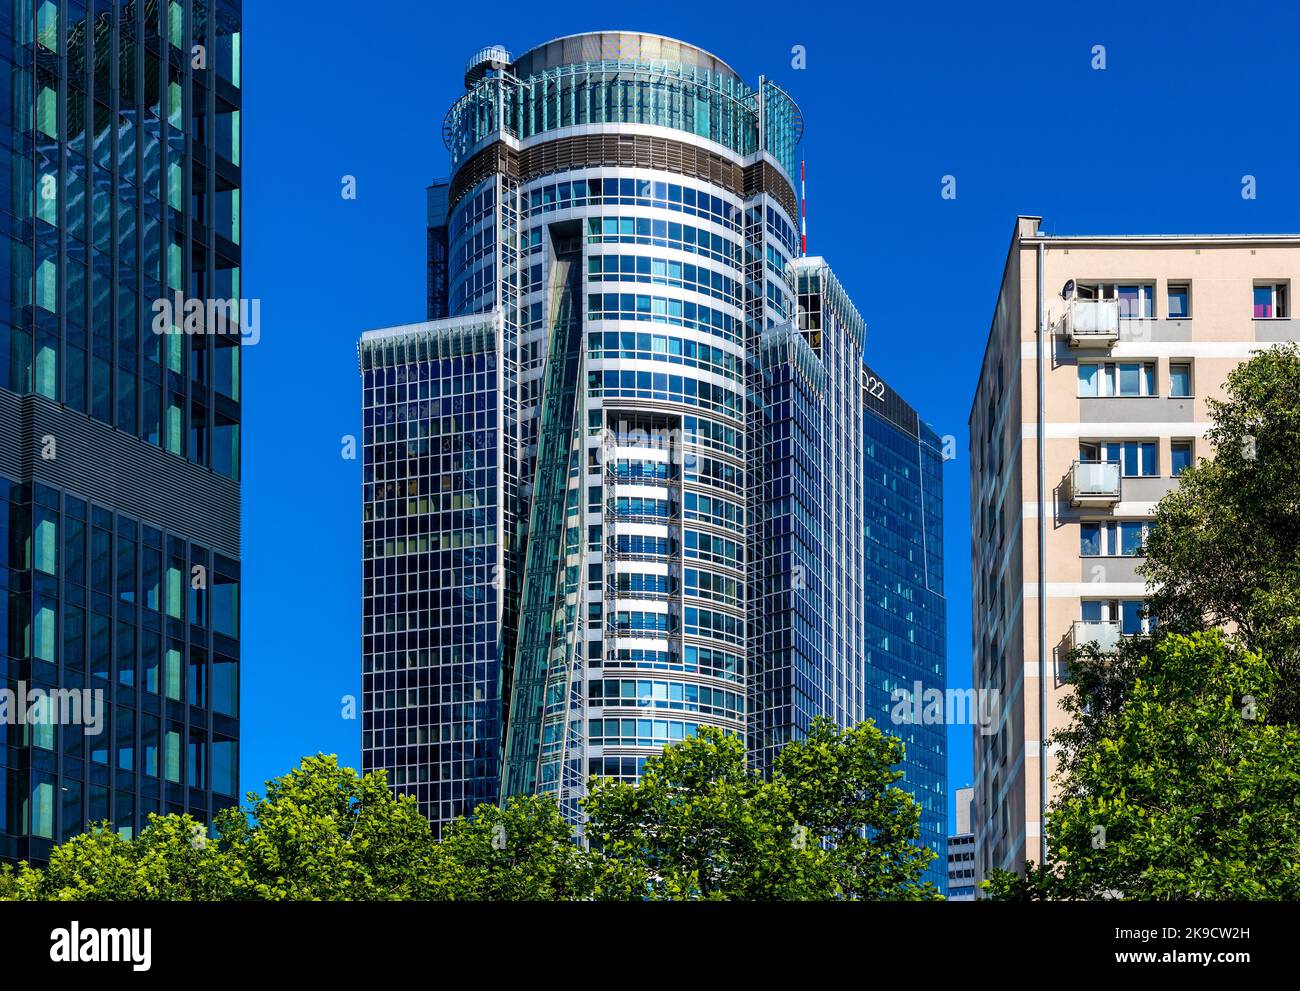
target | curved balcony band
x=697, y=100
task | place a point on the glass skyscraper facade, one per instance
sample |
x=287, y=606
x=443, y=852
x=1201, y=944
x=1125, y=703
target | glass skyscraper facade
x=806, y=549
x=119, y=444
x=906, y=613
x=612, y=489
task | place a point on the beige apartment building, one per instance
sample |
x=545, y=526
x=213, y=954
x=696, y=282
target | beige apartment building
x=1137, y=332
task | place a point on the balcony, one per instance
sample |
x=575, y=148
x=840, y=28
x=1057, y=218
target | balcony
x=1094, y=484
x=1104, y=635
x=1092, y=323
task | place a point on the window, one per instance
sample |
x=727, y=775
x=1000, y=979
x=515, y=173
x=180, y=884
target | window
x=1111, y=378
x=1180, y=301
x=1136, y=300
x=1133, y=618
x=1271, y=301
x=1136, y=458
x=225, y=603
x=1180, y=379
x=1180, y=456
x=1128, y=613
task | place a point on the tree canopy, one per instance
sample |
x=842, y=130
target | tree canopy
x=700, y=824
x=1225, y=547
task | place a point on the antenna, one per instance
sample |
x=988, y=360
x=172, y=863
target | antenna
x=1067, y=291
x=803, y=210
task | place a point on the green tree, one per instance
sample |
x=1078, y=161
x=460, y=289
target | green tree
x=841, y=786
x=827, y=824
x=1187, y=789
x=523, y=852
x=1225, y=547
x=321, y=832
x=324, y=833
x=171, y=860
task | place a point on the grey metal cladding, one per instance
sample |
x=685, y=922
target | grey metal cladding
x=115, y=469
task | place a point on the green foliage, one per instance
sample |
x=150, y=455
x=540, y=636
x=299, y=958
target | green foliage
x=324, y=833
x=828, y=824
x=524, y=852
x=171, y=860
x=1225, y=548
x=1186, y=789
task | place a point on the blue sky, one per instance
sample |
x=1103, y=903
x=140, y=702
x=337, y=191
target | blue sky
x=1002, y=97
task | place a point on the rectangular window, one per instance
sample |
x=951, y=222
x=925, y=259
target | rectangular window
x=42, y=808
x=1271, y=301
x=173, y=682
x=152, y=577
x=1132, y=617
x=1136, y=458
x=1112, y=378
x=1180, y=379
x=175, y=588
x=46, y=550
x=1090, y=539
x=198, y=680
x=225, y=685
x=196, y=762
x=150, y=661
x=225, y=766
x=1180, y=301
x=125, y=738
x=73, y=821
x=172, y=753
x=1128, y=613
x=1180, y=456
x=1135, y=302
x=225, y=605
x=1132, y=535
x=149, y=733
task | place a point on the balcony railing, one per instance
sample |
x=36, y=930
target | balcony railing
x=1094, y=483
x=1105, y=635
x=1092, y=322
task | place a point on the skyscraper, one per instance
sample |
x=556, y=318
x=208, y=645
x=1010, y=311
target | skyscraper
x=1093, y=397
x=119, y=446
x=906, y=613
x=612, y=490
x=805, y=496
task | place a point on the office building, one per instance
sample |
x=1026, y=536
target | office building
x=961, y=852
x=119, y=446
x=905, y=615
x=1138, y=333
x=613, y=486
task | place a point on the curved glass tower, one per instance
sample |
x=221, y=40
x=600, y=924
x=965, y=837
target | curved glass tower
x=614, y=488
x=614, y=238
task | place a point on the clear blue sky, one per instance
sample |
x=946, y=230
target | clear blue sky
x=1002, y=96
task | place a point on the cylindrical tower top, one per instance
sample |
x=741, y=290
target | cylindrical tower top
x=617, y=46
x=619, y=81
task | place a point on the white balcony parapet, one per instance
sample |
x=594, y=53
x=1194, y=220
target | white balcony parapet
x=1105, y=635
x=1094, y=483
x=1092, y=322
